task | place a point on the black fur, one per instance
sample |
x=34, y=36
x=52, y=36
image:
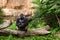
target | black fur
x=22, y=23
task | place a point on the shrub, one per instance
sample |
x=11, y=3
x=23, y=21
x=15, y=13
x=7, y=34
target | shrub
x=46, y=12
x=1, y=18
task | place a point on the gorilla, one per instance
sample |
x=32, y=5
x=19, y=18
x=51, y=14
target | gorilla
x=22, y=22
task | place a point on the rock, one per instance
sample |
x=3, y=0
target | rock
x=15, y=3
x=3, y=3
x=14, y=12
x=12, y=3
x=9, y=12
x=16, y=7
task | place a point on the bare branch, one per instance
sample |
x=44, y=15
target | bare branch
x=5, y=24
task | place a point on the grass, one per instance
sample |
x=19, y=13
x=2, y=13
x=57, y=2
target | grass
x=41, y=37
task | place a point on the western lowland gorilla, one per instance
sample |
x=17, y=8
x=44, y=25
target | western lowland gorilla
x=22, y=22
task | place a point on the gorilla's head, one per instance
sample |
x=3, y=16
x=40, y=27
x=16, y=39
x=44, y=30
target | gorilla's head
x=22, y=16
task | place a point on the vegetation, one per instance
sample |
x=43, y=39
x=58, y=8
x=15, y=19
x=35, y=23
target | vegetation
x=41, y=37
x=46, y=14
x=1, y=19
x=48, y=10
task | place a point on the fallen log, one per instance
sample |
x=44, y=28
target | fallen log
x=33, y=32
x=5, y=24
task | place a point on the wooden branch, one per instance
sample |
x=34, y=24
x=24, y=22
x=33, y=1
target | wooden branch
x=5, y=24
x=58, y=19
x=33, y=32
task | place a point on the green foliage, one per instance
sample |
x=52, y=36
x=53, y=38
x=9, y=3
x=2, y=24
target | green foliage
x=36, y=23
x=13, y=26
x=46, y=12
x=1, y=19
x=0, y=12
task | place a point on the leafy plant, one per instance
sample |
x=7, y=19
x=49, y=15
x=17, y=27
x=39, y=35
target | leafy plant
x=1, y=19
x=47, y=11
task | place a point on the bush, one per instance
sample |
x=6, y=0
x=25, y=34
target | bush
x=46, y=12
x=1, y=18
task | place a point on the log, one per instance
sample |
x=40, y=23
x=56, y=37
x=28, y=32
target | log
x=33, y=32
x=5, y=24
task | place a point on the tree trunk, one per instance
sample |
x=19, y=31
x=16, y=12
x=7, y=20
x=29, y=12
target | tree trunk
x=33, y=32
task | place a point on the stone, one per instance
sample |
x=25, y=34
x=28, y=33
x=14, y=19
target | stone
x=15, y=3
x=3, y=3
x=14, y=12
x=16, y=7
